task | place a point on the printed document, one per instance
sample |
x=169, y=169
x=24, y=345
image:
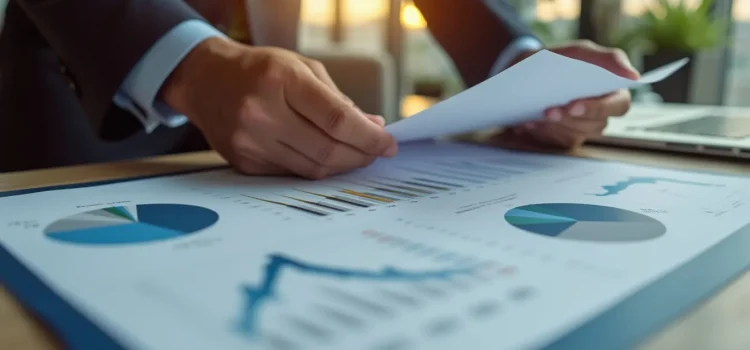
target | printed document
x=446, y=246
x=521, y=93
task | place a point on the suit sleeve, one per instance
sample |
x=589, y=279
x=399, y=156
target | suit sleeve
x=139, y=94
x=100, y=41
x=474, y=33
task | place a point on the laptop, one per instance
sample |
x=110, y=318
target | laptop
x=698, y=129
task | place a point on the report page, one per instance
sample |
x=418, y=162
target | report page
x=445, y=246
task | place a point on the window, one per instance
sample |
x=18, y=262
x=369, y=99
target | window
x=429, y=71
x=553, y=21
x=351, y=25
x=316, y=17
x=364, y=23
x=724, y=73
x=737, y=88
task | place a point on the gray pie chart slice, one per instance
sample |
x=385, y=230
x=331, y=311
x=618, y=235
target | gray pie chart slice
x=609, y=232
x=585, y=222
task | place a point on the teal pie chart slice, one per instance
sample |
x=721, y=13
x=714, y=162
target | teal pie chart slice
x=585, y=222
x=143, y=223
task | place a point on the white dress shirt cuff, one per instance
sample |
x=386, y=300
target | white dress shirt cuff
x=138, y=93
x=522, y=44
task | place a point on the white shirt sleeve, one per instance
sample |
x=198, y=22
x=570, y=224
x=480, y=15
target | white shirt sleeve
x=525, y=43
x=138, y=93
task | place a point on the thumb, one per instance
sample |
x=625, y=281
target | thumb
x=614, y=60
x=376, y=119
x=617, y=62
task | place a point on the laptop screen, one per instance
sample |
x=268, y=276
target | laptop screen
x=713, y=125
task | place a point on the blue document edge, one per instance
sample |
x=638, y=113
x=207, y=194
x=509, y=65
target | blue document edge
x=623, y=326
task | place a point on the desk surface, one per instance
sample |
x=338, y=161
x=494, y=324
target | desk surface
x=720, y=323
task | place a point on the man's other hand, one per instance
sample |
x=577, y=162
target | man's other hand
x=270, y=111
x=570, y=125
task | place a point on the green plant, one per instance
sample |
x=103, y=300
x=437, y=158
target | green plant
x=675, y=27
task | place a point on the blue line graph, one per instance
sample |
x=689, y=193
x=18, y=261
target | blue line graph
x=256, y=295
x=619, y=187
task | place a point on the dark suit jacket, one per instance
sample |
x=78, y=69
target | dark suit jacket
x=61, y=62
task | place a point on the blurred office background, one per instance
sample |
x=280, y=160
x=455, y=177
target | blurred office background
x=717, y=40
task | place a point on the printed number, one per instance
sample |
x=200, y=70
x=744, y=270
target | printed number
x=23, y=224
x=654, y=211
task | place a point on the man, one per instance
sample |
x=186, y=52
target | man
x=89, y=81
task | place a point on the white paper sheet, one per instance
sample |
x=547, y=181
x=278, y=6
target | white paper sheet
x=262, y=274
x=520, y=93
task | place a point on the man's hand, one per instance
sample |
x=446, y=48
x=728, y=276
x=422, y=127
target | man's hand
x=570, y=125
x=270, y=111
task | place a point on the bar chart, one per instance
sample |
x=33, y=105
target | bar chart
x=405, y=181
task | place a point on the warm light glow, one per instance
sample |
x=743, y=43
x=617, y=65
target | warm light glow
x=411, y=18
x=358, y=11
x=320, y=12
x=548, y=11
x=634, y=7
x=741, y=10
x=569, y=9
x=413, y=104
x=317, y=12
x=639, y=7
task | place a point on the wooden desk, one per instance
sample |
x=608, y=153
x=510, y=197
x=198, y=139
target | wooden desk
x=720, y=323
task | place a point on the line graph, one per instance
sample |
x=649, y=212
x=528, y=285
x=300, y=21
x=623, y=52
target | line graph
x=621, y=186
x=308, y=295
x=297, y=299
x=256, y=295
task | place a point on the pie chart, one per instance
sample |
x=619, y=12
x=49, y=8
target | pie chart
x=585, y=222
x=142, y=223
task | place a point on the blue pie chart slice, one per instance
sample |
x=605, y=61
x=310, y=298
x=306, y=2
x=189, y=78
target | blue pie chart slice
x=143, y=223
x=585, y=222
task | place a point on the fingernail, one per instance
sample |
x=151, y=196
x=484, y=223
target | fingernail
x=391, y=151
x=633, y=70
x=321, y=173
x=555, y=115
x=378, y=119
x=578, y=110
